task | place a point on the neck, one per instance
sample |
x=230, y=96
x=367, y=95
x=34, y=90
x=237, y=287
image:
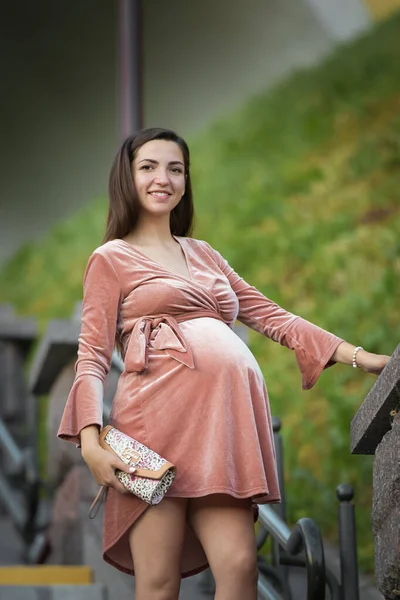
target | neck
x=151, y=230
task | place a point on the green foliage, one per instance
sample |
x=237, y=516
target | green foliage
x=299, y=191
x=44, y=279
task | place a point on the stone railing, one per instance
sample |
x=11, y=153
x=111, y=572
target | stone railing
x=375, y=429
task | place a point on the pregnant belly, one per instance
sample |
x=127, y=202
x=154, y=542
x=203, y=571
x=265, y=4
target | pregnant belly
x=219, y=355
x=168, y=396
x=215, y=346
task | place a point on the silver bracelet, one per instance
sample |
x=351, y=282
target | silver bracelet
x=355, y=365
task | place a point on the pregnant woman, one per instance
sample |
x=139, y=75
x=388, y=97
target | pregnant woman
x=191, y=390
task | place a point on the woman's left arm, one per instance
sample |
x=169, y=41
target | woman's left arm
x=314, y=347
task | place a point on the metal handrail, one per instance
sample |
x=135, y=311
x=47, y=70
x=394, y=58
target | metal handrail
x=22, y=503
x=13, y=503
x=304, y=537
x=118, y=364
x=274, y=524
x=11, y=449
x=266, y=591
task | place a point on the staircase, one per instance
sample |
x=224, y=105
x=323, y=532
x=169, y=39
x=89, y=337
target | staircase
x=41, y=582
x=53, y=592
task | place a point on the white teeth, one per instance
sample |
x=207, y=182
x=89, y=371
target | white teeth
x=160, y=194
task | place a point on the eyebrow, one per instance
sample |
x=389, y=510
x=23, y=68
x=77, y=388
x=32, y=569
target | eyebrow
x=155, y=162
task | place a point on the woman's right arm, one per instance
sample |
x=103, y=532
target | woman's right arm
x=83, y=414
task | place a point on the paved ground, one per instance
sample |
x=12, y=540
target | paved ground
x=191, y=589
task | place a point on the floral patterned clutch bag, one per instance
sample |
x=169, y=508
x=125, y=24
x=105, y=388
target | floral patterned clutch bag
x=153, y=475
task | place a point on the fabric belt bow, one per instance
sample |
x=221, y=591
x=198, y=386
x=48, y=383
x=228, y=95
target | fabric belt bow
x=160, y=333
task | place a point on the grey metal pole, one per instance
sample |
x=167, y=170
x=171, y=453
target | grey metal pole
x=266, y=591
x=280, y=508
x=347, y=543
x=11, y=450
x=14, y=503
x=277, y=426
x=130, y=66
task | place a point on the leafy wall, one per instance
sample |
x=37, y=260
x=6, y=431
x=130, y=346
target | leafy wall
x=299, y=190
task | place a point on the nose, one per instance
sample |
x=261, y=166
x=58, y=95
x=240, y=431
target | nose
x=161, y=177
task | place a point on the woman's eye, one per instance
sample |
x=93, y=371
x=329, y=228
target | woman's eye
x=175, y=170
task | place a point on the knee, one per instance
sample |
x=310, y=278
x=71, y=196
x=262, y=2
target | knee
x=240, y=566
x=158, y=586
x=245, y=563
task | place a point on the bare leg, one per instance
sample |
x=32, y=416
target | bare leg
x=156, y=541
x=225, y=527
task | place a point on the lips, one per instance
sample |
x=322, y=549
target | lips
x=160, y=194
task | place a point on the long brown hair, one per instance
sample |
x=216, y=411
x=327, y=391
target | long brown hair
x=124, y=205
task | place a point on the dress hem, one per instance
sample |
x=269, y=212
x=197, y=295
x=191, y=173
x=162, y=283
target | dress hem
x=131, y=572
x=250, y=493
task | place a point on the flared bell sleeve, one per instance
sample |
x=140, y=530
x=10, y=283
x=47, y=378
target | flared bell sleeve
x=102, y=297
x=313, y=346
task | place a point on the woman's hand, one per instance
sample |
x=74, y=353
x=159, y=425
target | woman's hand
x=372, y=363
x=102, y=465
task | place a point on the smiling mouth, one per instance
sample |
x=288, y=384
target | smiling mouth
x=162, y=195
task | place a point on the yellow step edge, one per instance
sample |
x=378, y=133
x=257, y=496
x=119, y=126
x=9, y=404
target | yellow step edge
x=46, y=575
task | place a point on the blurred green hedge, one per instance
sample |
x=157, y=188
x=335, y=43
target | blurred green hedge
x=299, y=190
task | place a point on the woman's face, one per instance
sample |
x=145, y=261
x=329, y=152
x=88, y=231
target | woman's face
x=159, y=176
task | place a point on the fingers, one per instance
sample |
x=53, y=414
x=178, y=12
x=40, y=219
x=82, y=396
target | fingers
x=118, y=487
x=119, y=464
x=115, y=483
x=105, y=473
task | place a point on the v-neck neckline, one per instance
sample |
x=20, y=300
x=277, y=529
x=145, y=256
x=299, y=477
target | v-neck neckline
x=189, y=277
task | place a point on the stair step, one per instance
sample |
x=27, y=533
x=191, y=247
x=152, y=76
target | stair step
x=43, y=575
x=96, y=591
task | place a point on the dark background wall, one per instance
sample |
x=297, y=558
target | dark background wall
x=59, y=83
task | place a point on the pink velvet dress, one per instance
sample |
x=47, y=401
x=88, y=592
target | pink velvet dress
x=191, y=390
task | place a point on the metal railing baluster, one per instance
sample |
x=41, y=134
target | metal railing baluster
x=347, y=543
